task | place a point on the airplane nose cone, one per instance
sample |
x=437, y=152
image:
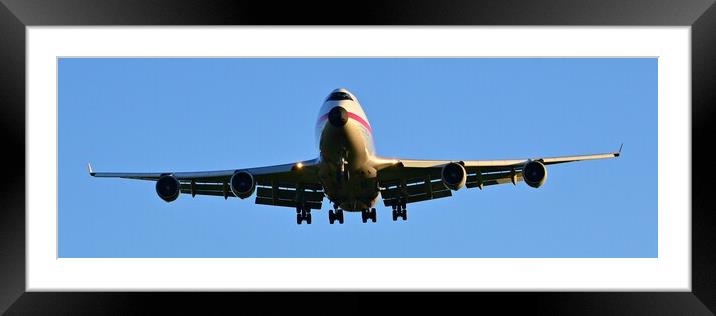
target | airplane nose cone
x=338, y=116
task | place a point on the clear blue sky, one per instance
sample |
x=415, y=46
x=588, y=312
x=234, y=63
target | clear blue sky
x=207, y=114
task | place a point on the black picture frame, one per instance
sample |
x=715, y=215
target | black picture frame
x=15, y=15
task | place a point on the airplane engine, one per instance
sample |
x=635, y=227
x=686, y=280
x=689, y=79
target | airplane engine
x=534, y=173
x=242, y=184
x=454, y=176
x=168, y=188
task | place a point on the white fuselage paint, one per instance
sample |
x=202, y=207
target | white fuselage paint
x=354, y=143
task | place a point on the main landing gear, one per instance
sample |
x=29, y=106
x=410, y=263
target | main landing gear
x=335, y=215
x=399, y=210
x=303, y=213
x=365, y=215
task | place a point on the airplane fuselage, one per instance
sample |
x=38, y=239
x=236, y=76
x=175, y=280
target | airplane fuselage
x=347, y=153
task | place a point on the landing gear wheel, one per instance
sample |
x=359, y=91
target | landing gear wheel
x=399, y=210
x=403, y=212
x=334, y=216
x=368, y=214
x=303, y=213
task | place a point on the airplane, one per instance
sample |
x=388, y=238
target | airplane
x=349, y=172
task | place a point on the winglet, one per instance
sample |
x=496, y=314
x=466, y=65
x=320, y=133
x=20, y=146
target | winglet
x=89, y=169
x=620, y=151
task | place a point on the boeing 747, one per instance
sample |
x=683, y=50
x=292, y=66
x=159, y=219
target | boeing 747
x=349, y=173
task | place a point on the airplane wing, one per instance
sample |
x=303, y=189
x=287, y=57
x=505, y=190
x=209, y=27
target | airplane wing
x=280, y=185
x=410, y=180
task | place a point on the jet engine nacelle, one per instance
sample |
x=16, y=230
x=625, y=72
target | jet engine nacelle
x=454, y=176
x=534, y=173
x=168, y=188
x=242, y=184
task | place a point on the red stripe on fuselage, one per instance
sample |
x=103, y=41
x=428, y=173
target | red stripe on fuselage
x=361, y=121
x=354, y=116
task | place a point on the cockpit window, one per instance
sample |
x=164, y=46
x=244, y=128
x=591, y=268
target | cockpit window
x=335, y=96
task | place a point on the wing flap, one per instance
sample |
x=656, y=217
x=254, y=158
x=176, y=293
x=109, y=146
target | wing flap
x=393, y=192
x=207, y=192
x=289, y=194
x=417, y=198
x=291, y=185
x=286, y=203
x=493, y=178
x=282, y=196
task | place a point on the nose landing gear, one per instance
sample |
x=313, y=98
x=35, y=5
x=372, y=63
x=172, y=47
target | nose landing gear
x=342, y=174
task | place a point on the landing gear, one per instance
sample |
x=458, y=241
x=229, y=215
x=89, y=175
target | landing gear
x=303, y=213
x=399, y=210
x=400, y=213
x=303, y=216
x=365, y=215
x=337, y=215
x=342, y=174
